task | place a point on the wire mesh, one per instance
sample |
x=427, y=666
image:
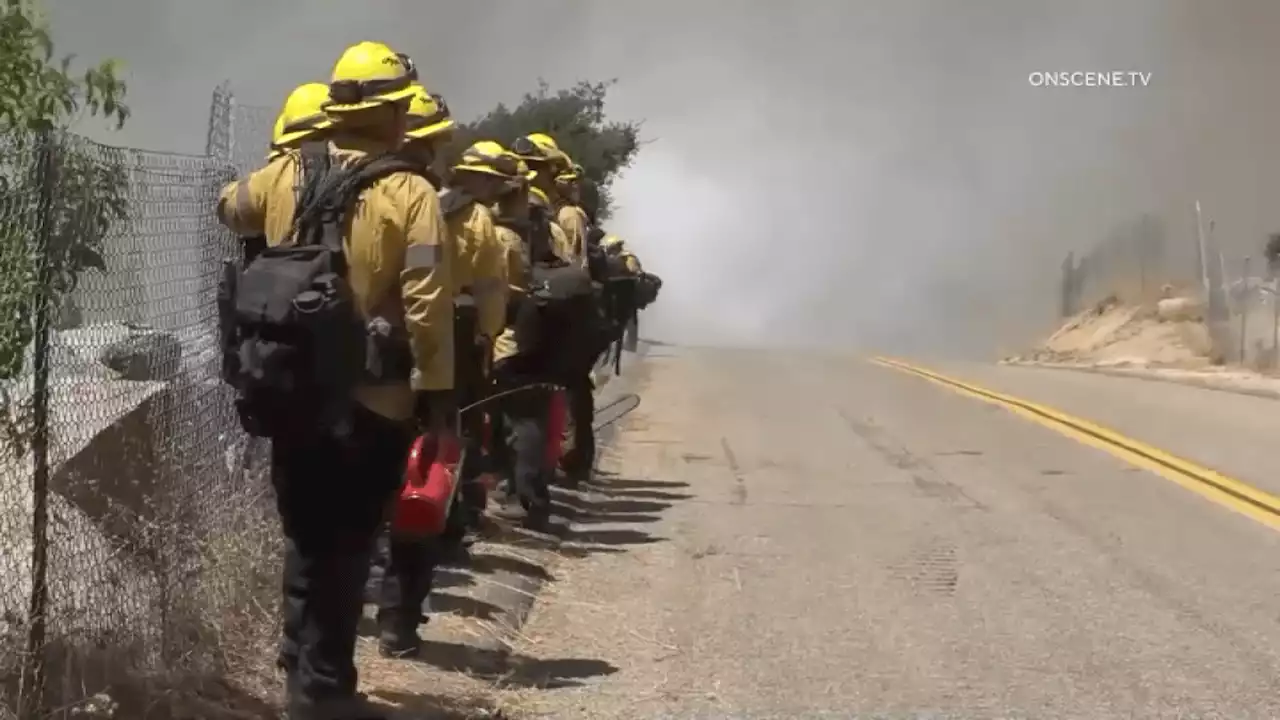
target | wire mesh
x=147, y=505
x=250, y=135
x=1253, y=299
x=1133, y=264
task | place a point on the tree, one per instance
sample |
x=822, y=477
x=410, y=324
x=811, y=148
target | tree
x=575, y=117
x=61, y=194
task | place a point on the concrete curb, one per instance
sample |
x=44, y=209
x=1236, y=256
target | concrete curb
x=1154, y=375
x=514, y=593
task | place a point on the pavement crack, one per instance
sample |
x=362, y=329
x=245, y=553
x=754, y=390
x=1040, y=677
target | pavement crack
x=739, y=493
x=924, y=476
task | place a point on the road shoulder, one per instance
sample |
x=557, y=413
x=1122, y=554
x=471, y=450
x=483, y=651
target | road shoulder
x=477, y=614
x=1230, y=432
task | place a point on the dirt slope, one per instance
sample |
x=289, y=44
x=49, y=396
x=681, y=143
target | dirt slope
x=1114, y=334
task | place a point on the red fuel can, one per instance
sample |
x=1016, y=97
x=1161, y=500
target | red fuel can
x=430, y=481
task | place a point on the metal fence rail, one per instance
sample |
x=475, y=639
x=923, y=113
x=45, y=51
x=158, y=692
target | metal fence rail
x=137, y=534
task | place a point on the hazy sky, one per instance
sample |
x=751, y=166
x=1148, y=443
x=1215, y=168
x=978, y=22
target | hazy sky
x=835, y=172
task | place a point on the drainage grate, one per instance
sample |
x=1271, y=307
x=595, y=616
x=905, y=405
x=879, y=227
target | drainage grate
x=932, y=569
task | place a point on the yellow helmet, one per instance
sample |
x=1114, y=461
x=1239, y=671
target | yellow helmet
x=428, y=115
x=277, y=130
x=523, y=173
x=612, y=244
x=522, y=168
x=574, y=173
x=302, y=116
x=491, y=158
x=367, y=75
x=540, y=148
x=544, y=141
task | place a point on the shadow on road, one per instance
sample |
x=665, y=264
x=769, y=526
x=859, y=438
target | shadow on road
x=600, y=518
x=643, y=494
x=489, y=563
x=609, y=507
x=425, y=706
x=464, y=606
x=512, y=670
x=624, y=484
x=611, y=537
x=451, y=577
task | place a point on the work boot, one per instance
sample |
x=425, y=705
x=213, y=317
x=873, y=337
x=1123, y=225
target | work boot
x=456, y=551
x=536, y=518
x=397, y=637
x=505, y=493
x=575, y=474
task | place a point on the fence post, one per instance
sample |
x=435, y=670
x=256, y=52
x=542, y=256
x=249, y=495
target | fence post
x=1067, y=307
x=218, y=139
x=1202, y=256
x=33, y=671
x=1244, y=313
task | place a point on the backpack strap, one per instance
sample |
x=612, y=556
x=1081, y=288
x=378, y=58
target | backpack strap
x=330, y=191
x=539, y=238
x=454, y=201
x=315, y=165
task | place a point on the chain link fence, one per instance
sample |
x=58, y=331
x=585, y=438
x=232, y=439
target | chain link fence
x=138, y=541
x=239, y=134
x=1140, y=264
x=1252, y=290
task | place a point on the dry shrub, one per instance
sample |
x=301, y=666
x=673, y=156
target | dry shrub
x=201, y=649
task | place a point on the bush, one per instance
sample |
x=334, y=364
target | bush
x=58, y=200
x=575, y=117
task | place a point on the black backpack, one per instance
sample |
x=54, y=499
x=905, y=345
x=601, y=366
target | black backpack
x=294, y=346
x=563, y=322
x=560, y=328
x=647, y=288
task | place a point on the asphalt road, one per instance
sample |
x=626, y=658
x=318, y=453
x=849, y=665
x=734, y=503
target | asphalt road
x=806, y=537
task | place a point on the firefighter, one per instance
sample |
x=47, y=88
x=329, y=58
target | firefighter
x=519, y=422
x=549, y=163
x=332, y=493
x=482, y=176
x=430, y=126
x=579, y=441
x=404, y=566
x=570, y=215
x=511, y=217
x=546, y=160
x=647, y=284
x=301, y=119
x=479, y=298
x=616, y=247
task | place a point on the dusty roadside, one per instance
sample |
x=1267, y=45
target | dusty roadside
x=1166, y=341
x=472, y=665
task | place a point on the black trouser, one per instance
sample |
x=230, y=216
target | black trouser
x=472, y=383
x=581, y=399
x=522, y=444
x=409, y=567
x=331, y=496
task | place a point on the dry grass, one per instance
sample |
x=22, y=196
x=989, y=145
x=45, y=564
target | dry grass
x=203, y=651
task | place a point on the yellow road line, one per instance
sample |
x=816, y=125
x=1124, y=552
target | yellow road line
x=1226, y=491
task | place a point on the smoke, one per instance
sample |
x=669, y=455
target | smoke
x=864, y=174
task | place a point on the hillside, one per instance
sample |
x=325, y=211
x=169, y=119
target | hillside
x=1170, y=333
